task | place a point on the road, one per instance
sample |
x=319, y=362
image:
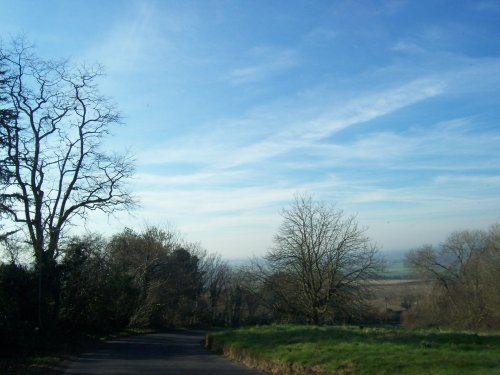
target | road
x=155, y=354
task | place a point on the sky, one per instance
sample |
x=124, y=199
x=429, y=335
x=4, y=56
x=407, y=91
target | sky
x=388, y=109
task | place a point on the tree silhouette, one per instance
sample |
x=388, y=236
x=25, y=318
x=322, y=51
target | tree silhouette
x=53, y=152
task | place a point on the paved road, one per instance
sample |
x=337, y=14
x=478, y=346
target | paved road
x=155, y=354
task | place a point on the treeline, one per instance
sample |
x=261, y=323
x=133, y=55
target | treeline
x=464, y=277
x=317, y=272
x=150, y=279
x=155, y=279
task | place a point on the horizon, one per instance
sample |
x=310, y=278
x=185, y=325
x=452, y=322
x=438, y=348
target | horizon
x=387, y=109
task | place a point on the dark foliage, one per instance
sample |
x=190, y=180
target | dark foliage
x=95, y=296
x=17, y=298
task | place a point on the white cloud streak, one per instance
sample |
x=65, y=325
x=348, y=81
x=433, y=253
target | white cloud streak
x=355, y=112
x=227, y=150
x=267, y=62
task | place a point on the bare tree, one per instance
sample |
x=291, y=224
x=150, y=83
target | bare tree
x=216, y=274
x=53, y=150
x=321, y=261
x=465, y=271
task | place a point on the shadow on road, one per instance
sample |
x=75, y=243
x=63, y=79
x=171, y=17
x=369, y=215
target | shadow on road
x=152, y=354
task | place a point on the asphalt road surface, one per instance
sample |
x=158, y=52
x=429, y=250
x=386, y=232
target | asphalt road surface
x=155, y=354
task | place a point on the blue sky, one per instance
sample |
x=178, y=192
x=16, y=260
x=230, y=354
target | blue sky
x=390, y=109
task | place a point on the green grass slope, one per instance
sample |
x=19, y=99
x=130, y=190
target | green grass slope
x=351, y=350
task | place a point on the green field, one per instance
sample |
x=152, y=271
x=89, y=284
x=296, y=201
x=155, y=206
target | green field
x=355, y=350
x=396, y=269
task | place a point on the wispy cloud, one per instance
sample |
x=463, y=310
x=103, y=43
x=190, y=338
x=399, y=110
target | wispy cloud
x=143, y=39
x=485, y=6
x=224, y=187
x=408, y=47
x=454, y=145
x=204, y=201
x=230, y=145
x=244, y=169
x=352, y=113
x=127, y=39
x=265, y=62
x=483, y=181
x=206, y=178
x=320, y=34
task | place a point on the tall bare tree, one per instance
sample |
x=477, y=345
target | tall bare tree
x=53, y=150
x=321, y=261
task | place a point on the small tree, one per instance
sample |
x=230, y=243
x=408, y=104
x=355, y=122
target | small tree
x=322, y=260
x=53, y=152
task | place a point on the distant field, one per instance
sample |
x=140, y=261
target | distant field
x=396, y=269
x=397, y=287
x=351, y=350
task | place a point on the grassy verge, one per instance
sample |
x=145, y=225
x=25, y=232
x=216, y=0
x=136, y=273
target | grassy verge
x=351, y=350
x=49, y=356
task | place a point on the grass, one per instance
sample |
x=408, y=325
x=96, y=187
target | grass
x=351, y=350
